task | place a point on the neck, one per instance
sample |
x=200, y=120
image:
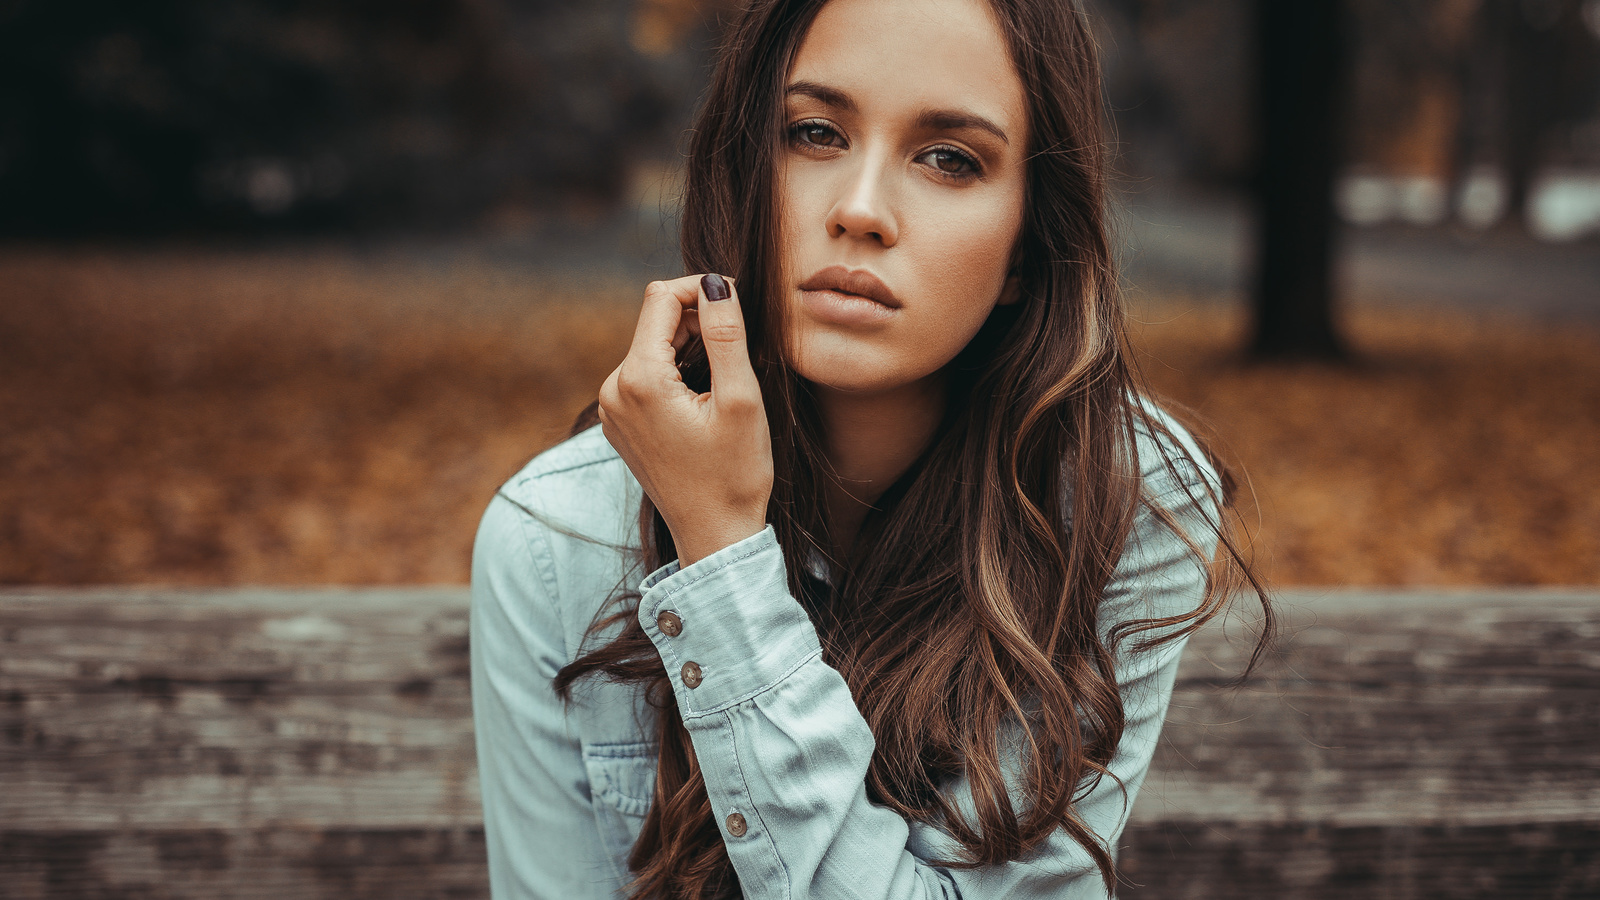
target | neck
x=871, y=440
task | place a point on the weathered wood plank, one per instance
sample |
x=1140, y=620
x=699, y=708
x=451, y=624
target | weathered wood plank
x=1160, y=861
x=184, y=710
x=318, y=744
x=1432, y=709
x=1544, y=861
x=248, y=864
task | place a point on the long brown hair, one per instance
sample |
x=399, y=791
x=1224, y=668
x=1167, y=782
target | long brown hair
x=965, y=604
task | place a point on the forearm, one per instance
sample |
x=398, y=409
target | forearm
x=784, y=751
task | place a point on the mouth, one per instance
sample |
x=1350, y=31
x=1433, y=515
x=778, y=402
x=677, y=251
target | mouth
x=856, y=283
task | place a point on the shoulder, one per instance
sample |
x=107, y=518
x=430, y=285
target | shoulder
x=582, y=466
x=1175, y=530
x=1170, y=459
x=579, y=491
x=559, y=538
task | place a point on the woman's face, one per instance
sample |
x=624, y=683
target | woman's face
x=901, y=188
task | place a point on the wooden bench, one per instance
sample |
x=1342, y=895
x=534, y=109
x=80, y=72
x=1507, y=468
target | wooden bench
x=318, y=744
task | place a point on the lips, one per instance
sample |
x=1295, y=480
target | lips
x=854, y=282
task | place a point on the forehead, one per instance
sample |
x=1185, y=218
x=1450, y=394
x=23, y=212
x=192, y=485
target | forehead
x=914, y=54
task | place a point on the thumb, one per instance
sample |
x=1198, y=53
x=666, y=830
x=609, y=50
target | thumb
x=722, y=331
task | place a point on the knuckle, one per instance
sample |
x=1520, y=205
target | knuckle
x=630, y=387
x=616, y=402
x=741, y=404
x=722, y=332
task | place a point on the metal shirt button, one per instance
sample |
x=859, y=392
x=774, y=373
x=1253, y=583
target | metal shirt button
x=691, y=675
x=669, y=623
x=736, y=825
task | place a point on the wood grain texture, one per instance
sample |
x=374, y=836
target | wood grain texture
x=270, y=743
x=1429, y=709
x=244, y=864
x=1179, y=861
x=248, y=709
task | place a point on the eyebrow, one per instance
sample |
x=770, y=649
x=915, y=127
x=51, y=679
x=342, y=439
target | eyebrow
x=930, y=119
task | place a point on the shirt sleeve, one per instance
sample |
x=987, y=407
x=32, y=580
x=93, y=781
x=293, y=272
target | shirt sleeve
x=538, y=821
x=784, y=750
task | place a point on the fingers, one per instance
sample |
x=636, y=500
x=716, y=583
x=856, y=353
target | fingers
x=672, y=312
x=733, y=382
x=659, y=318
x=650, y=368
x=688, y=327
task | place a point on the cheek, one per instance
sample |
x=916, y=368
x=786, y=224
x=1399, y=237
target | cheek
x=966, y=257
x=801, y=215
x=973, y=246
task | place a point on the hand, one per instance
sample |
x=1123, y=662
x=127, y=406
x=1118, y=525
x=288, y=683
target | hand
x=705, y=460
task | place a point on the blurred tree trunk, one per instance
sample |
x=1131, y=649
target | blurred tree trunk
x=1300, y=79
x=1524, y=121
x=1549, y=75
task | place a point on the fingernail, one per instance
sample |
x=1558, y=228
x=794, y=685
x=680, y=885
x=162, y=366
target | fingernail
x=715, y=286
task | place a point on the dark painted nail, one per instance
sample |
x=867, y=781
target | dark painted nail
x=715, y=286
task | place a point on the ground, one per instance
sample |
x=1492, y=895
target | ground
x=325, y=416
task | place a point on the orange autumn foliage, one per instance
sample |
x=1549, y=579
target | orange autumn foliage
x=316, y=417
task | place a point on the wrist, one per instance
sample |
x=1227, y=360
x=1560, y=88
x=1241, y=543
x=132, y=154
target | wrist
x=700, y=543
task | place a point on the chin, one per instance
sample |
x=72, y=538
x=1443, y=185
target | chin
x=853, y=373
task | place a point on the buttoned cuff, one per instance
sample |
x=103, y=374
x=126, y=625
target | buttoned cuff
x=738, y=630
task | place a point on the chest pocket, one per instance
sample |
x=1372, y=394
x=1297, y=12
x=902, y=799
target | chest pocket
x=622, y=783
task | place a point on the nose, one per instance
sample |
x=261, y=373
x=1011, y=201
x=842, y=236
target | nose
x=865, y=206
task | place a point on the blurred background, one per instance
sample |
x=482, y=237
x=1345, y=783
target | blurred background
x=287, y=289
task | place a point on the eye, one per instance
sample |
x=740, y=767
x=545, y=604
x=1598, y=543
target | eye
x=815, y=133
x=950, y=161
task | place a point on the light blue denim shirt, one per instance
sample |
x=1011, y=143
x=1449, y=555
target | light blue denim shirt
x=776, y=732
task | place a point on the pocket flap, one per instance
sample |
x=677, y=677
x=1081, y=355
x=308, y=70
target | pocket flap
x=622, y=776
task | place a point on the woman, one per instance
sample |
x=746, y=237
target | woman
x=874, y=579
